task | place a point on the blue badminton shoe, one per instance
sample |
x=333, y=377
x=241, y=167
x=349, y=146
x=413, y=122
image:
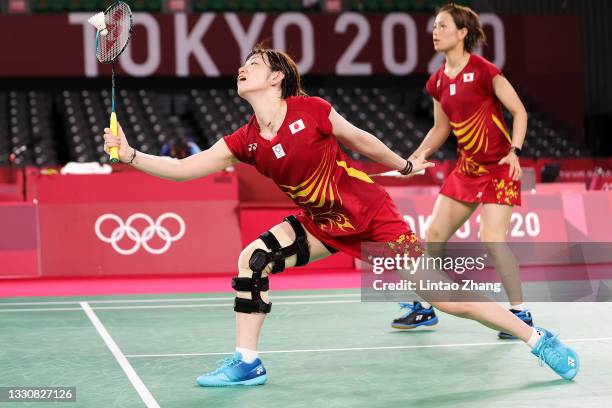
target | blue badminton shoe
x=562, y=359
x=416, y=316
x=233, y=371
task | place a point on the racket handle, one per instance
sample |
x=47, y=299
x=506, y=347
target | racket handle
x=114, y=152
x=395, y=173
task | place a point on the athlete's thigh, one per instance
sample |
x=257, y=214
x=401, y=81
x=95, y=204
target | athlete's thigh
x=447, y=216
x=494, y=221
x=286, y=236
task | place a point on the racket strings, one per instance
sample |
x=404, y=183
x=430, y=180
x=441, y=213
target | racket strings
x=119, y=24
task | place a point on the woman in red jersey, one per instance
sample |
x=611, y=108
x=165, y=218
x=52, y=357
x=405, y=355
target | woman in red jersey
x=295, y=140
x=468, y=92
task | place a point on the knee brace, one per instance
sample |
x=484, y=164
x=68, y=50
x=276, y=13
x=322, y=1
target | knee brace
x=258, y=262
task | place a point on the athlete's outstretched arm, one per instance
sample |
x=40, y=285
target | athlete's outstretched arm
x=438, y=134
x=211, y=160
x=370, y=146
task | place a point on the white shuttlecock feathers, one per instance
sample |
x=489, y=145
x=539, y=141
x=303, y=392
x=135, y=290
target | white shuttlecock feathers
x=98, y=22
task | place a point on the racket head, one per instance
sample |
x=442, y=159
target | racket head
x=119, y=23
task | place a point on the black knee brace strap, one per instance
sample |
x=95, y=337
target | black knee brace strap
x=260, y=258
x=251, y=306
x=277, y=254
x=255, y=285
x=300, y=245
x=249, y=284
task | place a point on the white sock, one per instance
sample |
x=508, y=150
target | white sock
x=425, y=305
x=248, y=356
x=518, y=307
x=533, y=340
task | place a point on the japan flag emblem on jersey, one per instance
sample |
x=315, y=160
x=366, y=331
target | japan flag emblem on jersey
x=297, y=126
x=468, y=77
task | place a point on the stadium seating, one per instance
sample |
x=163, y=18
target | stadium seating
x=26, y=126
x=68, y=125
x=59, y=6
x=56, y=6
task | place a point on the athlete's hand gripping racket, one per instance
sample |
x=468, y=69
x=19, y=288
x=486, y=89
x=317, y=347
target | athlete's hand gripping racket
x=114, y=30
x=419, y=163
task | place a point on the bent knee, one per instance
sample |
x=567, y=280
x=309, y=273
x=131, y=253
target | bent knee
x=434, y=234
x=244, y=259
x=492, y=235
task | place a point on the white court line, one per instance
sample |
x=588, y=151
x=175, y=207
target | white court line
x=141, y=389
x=194, y=299
x=58, y=309
x=46, y=309
x=499, y=343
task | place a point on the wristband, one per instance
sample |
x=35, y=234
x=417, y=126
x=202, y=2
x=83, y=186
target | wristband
x=516, y=150
x=407, y=169
x=132, y=158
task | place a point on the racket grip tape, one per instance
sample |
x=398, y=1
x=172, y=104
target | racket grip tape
x=114, y=126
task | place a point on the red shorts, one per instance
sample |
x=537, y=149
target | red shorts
x=387, y=226
x=494, y=187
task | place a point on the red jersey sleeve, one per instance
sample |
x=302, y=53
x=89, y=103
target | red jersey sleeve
x=432, y=85
x=320, y=109
x=488, y=72
x=237, y=144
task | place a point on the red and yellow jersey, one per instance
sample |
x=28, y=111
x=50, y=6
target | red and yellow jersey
x=306, y=162
x=475, y=115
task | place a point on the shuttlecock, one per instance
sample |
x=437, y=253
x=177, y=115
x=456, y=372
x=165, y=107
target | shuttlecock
x=98, y=22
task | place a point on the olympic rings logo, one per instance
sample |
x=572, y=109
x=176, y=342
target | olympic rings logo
x=154, y=228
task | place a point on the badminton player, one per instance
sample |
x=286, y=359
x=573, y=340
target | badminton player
x=468, y=93
x=295, y=140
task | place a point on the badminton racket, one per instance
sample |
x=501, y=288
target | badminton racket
x=114, y=29
x=395, y=173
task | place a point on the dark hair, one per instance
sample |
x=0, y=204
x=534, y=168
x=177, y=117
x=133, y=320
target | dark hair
x=281, y=61
x=179, y=147
x=465, y=17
